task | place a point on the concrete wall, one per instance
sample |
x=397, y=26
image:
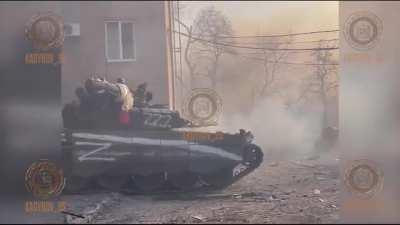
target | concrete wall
x=85, y=55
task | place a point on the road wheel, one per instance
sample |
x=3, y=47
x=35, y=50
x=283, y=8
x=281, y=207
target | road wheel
x=149, y=183
x=218, y=179
x=183, y=181
x=252, y=156
x=112, y=183
x=76, y=184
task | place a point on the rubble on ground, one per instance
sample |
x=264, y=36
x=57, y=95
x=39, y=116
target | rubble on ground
x=302, y=191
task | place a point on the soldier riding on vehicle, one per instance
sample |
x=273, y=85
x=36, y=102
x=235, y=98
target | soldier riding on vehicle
x=106, y=104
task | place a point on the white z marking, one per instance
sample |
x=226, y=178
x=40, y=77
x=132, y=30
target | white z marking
x=103, y=147
x=160, y=142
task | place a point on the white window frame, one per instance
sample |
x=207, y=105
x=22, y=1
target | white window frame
x=121, y=59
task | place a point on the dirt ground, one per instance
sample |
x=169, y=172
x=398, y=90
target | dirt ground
x=288, y=191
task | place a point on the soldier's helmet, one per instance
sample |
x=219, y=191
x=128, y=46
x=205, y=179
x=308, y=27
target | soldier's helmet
x=149, y=96
x=121, y=80
x=143, y=85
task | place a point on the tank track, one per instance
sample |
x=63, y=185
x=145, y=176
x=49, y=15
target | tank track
x=252, y=158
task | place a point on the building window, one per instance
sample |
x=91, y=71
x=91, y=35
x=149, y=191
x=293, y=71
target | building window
x=120, y=44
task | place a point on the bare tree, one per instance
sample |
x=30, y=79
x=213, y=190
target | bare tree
x=180, y=9
x=202, y=51
x=324, y=81
x=188, y=54
x=272, y=62
x=211, y=25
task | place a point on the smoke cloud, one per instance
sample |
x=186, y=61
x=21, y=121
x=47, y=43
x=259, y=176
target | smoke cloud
x=281, y=133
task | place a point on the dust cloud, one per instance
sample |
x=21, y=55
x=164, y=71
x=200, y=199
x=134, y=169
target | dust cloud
x=281, y=133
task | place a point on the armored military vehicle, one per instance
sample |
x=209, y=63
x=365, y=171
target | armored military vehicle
x=150, y=153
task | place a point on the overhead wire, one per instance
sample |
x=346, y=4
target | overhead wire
x=257, y=48
x=292, y=63
x=289, y=43
x=280, y=35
